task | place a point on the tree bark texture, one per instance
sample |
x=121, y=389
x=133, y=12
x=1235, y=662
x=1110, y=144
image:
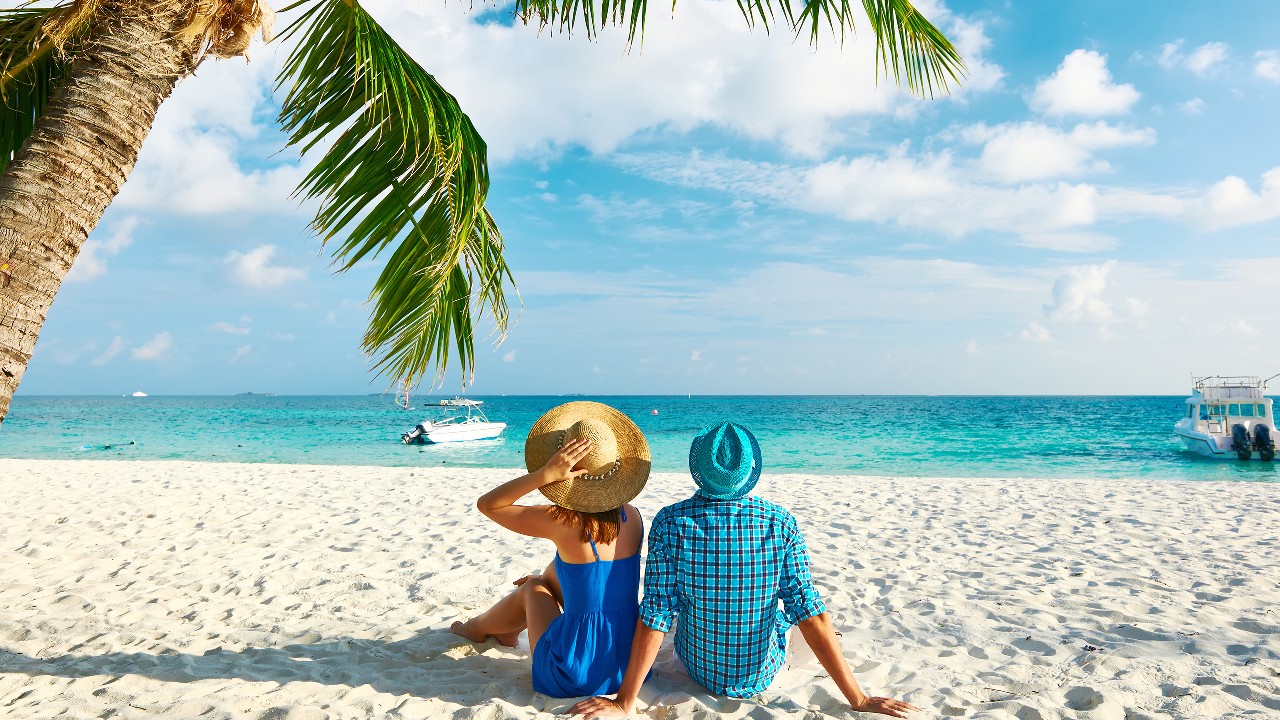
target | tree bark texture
x=74, y=163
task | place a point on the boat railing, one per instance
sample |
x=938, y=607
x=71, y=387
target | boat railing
x=1231, y=387
x=1229, y=381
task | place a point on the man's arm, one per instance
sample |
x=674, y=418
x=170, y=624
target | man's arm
x=644, y=650
x=803, y=608
x=821, y=636
x=657, y=614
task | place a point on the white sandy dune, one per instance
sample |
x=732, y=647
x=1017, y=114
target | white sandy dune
x=186, y=590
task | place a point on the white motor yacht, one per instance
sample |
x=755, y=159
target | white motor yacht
x=461, y=420
x=1229, y=417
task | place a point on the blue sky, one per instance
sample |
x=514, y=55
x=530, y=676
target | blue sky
x=1096, y=210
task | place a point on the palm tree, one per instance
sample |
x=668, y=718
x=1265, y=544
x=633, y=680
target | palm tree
x=402, y=171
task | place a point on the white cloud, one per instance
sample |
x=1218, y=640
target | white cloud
x=241, y=352
x=1035, y=332
x=1244, y=329
x=695, y=356
x=1082, y=85
x=1200, y=61
x=971, y=347
x=619, y=209
x=933, y=193
x=1267, y=65
x=114, y=349
x=930, y=191
x=509, y=357
x=253, y=269
x=1017, y=152
x=524, y=89
x=211, y=148
x=1068, y=242
x=155, y=348
x=1170, y=54
x=1194, y=106
x=1206, y=57
x=1231, y=202
x=912, y=313
x=228, y=328
x=1019, y=184
x=92, y=261
x=1077, y=295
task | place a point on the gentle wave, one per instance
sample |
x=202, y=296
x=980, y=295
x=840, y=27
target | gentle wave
x=925, y=436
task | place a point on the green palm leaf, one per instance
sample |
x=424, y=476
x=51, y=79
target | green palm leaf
x=406, y=168
x=906, y=42
x=30, y=68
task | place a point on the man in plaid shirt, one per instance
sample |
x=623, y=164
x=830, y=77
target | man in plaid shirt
x=721, y=561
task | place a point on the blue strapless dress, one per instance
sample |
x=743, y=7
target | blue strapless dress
x=585, y=650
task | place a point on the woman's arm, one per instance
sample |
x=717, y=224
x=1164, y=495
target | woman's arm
x=499, y=503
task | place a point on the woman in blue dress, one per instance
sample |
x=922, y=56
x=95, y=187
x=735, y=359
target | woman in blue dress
x=589, y=460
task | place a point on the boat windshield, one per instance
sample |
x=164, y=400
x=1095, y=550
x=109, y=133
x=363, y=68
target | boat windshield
x=458, y=411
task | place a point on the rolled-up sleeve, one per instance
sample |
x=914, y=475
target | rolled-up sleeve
x=799, y=597
x=661, y=603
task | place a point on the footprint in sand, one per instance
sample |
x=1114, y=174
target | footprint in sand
x=1035, y=646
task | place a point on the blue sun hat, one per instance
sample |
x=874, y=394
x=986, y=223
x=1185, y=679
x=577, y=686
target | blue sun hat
x=725, y=461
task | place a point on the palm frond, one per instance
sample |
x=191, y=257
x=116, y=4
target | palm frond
x=31, y=67
x=907, y=44
x=404, y=167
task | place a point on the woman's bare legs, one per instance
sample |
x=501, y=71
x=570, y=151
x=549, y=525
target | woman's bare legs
x=541, y=606
x=509, y=616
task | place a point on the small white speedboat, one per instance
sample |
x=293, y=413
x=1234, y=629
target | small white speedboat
x=1229, y=417
x=461, y=420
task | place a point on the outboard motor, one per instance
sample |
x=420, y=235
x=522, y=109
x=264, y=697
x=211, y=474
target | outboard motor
x=414, y=435
x=1262, y=441
x=1240, y=441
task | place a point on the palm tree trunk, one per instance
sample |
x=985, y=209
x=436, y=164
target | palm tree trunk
x=71, y=167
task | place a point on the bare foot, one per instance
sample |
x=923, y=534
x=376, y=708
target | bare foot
x=464, y=629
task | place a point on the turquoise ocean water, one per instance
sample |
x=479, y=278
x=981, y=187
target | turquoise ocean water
x=1051, y=436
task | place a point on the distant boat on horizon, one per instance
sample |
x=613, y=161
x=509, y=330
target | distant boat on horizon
x=138, y=393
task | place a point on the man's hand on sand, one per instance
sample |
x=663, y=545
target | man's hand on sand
x=882, y=706
x=599, y=707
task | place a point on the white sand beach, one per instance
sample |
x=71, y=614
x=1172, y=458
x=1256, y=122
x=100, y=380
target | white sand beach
x=178, y=589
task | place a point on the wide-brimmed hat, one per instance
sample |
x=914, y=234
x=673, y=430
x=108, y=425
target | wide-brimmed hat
x=725, y=461
x=617, y=465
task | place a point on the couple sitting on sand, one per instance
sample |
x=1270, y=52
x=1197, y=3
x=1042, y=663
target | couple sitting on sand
x=732, y=568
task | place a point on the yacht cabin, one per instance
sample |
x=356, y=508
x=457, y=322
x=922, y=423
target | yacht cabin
x=1229, y=416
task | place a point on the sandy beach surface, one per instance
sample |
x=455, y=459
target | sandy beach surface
x=177, y=589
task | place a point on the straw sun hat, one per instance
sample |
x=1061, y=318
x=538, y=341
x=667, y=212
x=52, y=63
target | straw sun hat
x=617, y=465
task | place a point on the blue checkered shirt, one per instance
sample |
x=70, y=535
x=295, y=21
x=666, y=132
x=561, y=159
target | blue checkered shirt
x=723, y=567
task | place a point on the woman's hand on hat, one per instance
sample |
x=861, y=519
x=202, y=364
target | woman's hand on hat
x=561, y=465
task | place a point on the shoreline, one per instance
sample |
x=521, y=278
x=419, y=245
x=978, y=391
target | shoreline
x=307, y=591
x=784, y=474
